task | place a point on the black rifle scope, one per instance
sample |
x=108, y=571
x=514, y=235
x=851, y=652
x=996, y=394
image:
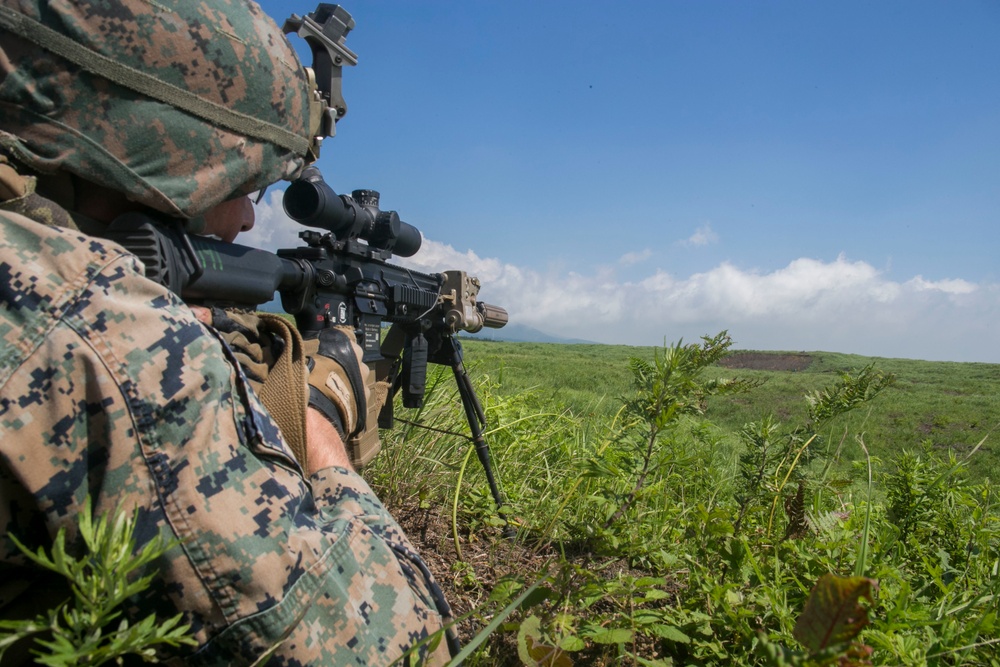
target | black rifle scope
x=311, y=202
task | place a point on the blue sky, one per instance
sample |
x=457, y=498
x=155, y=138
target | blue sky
x=809, y=176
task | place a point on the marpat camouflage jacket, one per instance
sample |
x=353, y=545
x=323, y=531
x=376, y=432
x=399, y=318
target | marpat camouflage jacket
x=110, y=387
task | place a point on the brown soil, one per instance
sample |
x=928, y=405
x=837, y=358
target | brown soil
x=767, y=361
x=485, y=559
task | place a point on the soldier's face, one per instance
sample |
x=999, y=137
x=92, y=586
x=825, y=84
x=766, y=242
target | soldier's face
x=230, y=218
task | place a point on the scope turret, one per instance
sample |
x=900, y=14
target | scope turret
x=311, y=202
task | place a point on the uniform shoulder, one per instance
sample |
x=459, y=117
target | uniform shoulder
x=43, y=273
x=26, y=242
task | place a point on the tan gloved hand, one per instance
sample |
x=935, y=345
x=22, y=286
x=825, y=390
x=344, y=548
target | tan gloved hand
x=255, y=347
x=347, y=391
x=338, y=379
x=364, y=446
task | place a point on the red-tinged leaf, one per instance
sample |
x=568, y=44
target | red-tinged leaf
x=857, y=655
x=833, y=614
x=545, y=655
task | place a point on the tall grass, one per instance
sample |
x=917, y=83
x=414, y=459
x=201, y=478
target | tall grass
x=679, y=538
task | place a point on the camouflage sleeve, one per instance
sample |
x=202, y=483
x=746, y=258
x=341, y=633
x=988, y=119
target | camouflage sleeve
x=110, y=387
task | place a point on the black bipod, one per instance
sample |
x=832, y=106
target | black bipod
x=477, y=421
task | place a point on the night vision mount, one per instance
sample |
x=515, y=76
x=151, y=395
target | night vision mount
x=325, y=31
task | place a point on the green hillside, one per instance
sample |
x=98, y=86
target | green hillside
x=951, y=406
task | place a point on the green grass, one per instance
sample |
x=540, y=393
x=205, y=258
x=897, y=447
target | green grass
x=951, y=406
x=666, y=517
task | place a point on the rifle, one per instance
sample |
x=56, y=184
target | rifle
x=341, y=276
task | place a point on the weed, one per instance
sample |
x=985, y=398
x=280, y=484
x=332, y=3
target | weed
x=672, y=535
x=88, y=629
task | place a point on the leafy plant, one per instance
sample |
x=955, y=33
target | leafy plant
x=828, y=626
x=665, y=390
x=851, y=391
x=88, y=628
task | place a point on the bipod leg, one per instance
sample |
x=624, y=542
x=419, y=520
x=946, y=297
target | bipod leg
x=477, y=420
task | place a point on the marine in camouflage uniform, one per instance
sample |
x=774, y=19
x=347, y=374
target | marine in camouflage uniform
x=110, y=387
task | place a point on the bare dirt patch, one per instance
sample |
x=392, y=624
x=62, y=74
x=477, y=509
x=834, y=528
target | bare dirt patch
x=488, y=557
x=485, y=559
x=767, y=361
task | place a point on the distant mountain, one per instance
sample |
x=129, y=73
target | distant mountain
x=519, y=333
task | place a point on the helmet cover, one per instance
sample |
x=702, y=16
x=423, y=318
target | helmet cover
x=69, y=112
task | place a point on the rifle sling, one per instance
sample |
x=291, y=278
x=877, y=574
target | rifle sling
x=288, y=408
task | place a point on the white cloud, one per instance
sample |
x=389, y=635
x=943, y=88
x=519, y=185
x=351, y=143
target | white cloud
x=838, y=306
x=704, y=235
x=631, y=258
x=947, y=286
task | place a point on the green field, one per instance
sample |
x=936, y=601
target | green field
x=951, y=406
x=677, y=505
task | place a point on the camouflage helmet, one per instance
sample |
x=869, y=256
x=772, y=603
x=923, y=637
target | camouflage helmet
x=178, y=105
